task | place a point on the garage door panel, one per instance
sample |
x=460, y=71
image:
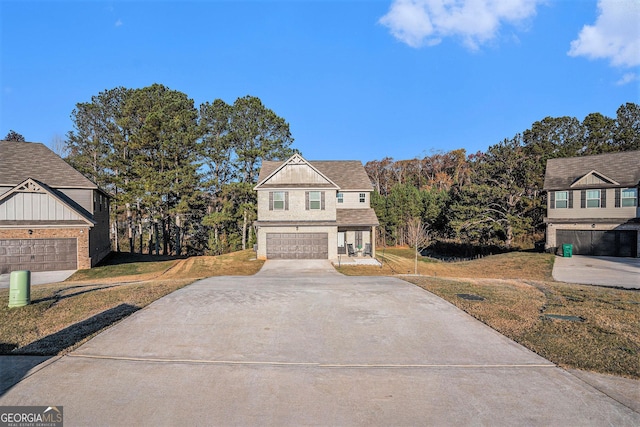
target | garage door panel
x=600, y=242
x=297, y=245
x=629, y=244
x=38, y=254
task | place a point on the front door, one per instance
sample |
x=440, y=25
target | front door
x=358, y=241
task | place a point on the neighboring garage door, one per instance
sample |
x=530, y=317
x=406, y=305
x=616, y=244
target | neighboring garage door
x=297, y=245
x=38, y=254
x=600, y=243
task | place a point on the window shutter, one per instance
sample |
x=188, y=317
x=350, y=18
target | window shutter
x=286, y=201
x=270, y=200
x=552, y=199
x=603, y=198
x=306, y=200
x=322, y=200
x=617, y=205
x=570, y=199
x=583, y=199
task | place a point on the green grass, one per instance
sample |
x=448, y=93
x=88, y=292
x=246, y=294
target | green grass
x=124, y=269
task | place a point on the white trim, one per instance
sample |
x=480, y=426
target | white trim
x=296, y=159
x=601, y=176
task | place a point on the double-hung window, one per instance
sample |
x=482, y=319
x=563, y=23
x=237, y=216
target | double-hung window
x=315, y=200
x=593, y=198
x=340, y=197
x=562, y=199
x=278, y=200
x=362, y=197
x=629, y=197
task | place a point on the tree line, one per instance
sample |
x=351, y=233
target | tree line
x=493, y=197
x=180, y=177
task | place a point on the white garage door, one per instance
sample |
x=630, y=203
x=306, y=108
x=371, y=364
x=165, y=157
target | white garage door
x=297, y=246
x=38, y=255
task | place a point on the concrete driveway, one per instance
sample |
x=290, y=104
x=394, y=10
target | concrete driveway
x=39, y=277
x=601, y=271
x=310, y=348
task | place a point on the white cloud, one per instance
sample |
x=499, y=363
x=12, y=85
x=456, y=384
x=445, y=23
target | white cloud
x=119, y=23
x=628, y=78
x=426, y=22
x=614, y=36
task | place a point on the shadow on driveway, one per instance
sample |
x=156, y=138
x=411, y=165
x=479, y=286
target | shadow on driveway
x=23, y=360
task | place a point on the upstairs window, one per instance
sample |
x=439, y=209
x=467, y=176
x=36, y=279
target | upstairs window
x=363, y=197
x=315, y=200
x=593, y=198
x=278, y=200
x=340, y=198
x=562, y=199
x=629, y=197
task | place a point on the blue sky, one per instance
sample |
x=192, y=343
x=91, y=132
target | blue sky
x=354, y=79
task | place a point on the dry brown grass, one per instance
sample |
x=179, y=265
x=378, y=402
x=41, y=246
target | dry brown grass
x=62, y=316
x=514, y=265
x=519, y=292
x=607, y=341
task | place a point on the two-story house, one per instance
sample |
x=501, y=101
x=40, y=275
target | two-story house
x=593, y=204
x=51, y=216
x=314, y=210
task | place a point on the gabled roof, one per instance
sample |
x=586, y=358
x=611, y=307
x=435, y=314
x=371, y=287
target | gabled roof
x=296, y=159
x=621, y=169
x=596, y=178
x=346, y=174
x=33, y=186
x=22, y=160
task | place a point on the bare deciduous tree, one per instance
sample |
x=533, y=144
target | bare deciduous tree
x=417, y=236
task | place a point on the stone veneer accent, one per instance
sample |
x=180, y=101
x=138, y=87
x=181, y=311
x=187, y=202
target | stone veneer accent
x=80, y=233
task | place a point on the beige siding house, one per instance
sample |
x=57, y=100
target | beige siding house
x=314, y=209
x=593, y=204
x=51, y=216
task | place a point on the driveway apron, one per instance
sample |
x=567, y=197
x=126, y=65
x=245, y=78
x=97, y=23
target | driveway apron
x=601, y=271
x=302, y=345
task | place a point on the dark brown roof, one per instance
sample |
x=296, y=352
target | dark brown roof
x=356, y=217
x=347, y=174
x=344, y=218
x=290, y=223
x=22, y=160
x=623, y=168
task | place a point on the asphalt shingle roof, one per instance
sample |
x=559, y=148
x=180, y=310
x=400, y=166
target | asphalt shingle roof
x=623, y=168
x=347, y=174
x=22, y=160
x=356, y=217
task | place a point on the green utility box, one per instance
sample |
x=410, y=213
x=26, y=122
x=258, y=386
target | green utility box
x=19, y=288
x=567, y=250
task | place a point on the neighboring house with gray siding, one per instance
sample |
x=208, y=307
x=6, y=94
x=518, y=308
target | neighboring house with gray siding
x=51, y=216
x=593, y=204
x=314, y=209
